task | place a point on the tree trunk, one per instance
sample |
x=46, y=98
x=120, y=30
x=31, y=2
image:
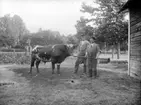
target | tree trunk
x=112, y=51
x=118, y=51
x=104, y=47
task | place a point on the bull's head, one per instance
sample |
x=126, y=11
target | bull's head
x=72, y=48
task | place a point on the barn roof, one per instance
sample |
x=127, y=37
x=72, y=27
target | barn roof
x=131, y=4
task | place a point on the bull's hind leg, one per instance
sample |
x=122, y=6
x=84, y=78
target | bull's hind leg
x=84, y=67
x=53, y=67
x=37, y=65
x=32, y=63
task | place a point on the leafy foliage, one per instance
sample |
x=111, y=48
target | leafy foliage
x=46, y=37
x=109, y=26
x=14, y=58
x=11, y=30
x=71, y=39
x=83, y=29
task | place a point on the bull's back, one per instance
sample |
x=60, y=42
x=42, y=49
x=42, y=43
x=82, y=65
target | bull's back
x=60, y=50
x=57, y=53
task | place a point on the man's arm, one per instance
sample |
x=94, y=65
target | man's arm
x=98, y=52
x=87, y=45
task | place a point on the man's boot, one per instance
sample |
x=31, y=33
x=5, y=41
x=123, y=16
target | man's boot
x=84, y=69
x=90, y=73
x=75, y=69
x=58, y=69
x=95, y=73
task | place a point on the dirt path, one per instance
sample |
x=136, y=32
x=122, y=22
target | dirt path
x=19, y=88
x=14, y=88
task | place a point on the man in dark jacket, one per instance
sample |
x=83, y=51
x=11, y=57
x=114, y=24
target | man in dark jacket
x=92, y=54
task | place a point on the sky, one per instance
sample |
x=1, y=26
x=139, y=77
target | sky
x=56, y=15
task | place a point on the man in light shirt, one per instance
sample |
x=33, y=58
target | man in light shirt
x=81, y=56
x=92, y=54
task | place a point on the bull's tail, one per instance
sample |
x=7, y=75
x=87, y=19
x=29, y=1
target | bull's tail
x=33, y=58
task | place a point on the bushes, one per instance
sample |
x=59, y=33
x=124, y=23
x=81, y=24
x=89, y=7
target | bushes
x=17, y=58
x=16, y=49
x=6, y=50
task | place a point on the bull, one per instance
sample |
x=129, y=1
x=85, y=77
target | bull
x=55, y=54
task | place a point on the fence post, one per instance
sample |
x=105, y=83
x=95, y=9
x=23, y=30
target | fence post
x=112, y=51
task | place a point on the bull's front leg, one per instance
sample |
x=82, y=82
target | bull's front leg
x=53, y=67
x=84, y=66
x=37, y=65
x=58, y=68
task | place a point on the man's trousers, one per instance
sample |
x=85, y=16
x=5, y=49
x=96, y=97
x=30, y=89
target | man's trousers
x=92, y=66
x=80, y=60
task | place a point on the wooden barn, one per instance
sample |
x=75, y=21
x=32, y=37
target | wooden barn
x=134, y=37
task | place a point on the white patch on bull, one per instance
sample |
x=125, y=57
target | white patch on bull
x=35, y=48
x=70, y=45
x=45, y=53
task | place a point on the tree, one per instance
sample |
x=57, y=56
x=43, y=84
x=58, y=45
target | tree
x=71, y=39
x=19, y=28
x=110, y=26
x=84, y=29
x=80, y=25
x=46, y=37
x=12, y=29
x=115, y=24
x=24, y=40
x=6, y=38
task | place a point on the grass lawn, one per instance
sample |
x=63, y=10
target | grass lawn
x=112, y=86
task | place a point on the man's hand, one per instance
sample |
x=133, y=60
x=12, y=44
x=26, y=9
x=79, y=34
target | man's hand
x=86, y=54
x=97, y=56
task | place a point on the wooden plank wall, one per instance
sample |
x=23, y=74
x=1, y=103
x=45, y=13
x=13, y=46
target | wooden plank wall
x=135, y=43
